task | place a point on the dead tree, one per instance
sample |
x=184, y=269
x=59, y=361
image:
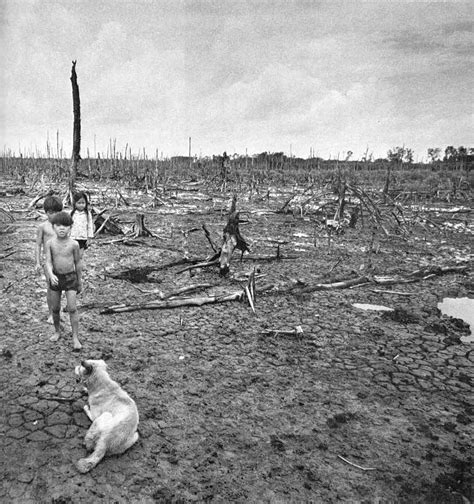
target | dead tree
x=341, y=201
x=76, y=135
x=387, y=182
x=139, y=228
x=225, y=166
x=232, y=239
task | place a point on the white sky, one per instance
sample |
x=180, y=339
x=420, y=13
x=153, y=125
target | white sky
x=236, y=75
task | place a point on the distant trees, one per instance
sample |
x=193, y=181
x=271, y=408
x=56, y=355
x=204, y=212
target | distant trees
x=450, y=153
x=456, y=158
x=409, y=154
x=434, y=154
x=459, y=154
x=400, y=154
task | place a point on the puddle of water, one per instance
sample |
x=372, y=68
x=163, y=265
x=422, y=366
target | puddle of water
x=373, y=307
x=462, y=308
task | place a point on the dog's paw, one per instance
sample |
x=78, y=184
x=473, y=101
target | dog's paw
x=87, y=411
x=84, y=465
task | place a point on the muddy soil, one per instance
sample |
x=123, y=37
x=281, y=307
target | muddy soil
x=361, y=406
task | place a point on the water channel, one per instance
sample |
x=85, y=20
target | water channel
x=462, y=308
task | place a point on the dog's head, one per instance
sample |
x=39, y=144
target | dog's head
x=87, y=368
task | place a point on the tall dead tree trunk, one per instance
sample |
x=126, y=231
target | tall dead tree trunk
x=76, y=135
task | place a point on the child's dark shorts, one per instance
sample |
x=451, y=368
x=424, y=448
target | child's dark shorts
x=66, y=282
x=82, y=244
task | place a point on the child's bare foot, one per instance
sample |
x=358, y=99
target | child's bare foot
x=76, y=344
x=55, y=337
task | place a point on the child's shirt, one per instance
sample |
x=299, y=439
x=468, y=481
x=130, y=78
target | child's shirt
x=82, y=227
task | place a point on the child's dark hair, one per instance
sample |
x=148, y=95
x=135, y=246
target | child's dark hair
x=76, y=197
x=52, y=204
x=62, y=219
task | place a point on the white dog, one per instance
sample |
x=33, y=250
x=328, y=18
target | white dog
x=112, y=411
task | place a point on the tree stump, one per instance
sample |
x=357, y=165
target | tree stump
x=139, y=228
x=232, y=239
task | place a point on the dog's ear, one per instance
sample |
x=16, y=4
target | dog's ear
x=87, y=367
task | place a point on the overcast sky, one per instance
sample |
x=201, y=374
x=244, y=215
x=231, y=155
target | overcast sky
x=236, y=75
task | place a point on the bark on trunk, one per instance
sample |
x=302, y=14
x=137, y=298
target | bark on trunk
x=139, y=228
x=76, y=135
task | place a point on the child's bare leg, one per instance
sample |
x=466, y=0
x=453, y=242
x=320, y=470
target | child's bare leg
x=50, y=302
x=81, y=257
x=74, y=318
x=55, y=298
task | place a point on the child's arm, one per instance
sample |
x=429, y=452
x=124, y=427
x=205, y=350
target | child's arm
x=39, y=242
x=90, y=226
x=49, y=264
x=78, y=266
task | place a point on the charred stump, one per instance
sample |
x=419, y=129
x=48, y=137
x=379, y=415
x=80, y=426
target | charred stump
x=139, y=228
x=106, y=225
x=232, y=239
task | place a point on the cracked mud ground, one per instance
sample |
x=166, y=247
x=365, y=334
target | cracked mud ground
x=229, y=410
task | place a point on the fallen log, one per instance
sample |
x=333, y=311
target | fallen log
x=173, y=303
x=177, y=292
x=335, y=285
x=416, y=276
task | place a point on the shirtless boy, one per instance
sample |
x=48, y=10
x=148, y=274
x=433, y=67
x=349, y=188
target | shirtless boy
x=64, y=272
x=52, y=205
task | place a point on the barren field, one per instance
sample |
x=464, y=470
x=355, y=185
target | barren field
x=309, y=399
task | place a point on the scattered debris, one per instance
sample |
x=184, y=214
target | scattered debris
x=364, y=306
x=356, y=465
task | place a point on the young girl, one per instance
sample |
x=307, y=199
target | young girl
x=82, y=229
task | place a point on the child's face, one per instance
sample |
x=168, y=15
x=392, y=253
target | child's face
x=50, y=214
x=61, y=230
x=80, y=204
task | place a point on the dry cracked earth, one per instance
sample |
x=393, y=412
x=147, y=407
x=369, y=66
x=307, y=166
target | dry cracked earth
x=360, y=406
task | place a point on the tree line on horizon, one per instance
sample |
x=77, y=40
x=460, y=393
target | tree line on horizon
x=397, y=155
